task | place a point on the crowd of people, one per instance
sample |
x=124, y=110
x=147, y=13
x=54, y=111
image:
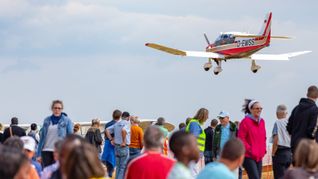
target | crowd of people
x=122, y=149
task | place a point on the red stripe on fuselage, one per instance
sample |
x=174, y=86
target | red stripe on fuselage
x=241, y=51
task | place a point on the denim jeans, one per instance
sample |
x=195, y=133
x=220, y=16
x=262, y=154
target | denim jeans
x=253, y=168
x=281, y=162
x=122, y=155
x=208, y=157
x=134, y=152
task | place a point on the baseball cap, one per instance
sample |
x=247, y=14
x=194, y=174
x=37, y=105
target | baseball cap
x=28, y=143
x=223, y=114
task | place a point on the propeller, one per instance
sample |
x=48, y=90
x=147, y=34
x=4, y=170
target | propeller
x=206, y=38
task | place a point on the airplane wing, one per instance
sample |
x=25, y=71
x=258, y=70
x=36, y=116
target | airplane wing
x=184, y=52
x=284, y=56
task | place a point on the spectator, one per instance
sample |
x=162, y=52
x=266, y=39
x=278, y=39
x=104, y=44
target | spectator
x=48, y=171
x=281, y=153
x=182, y=126
x=34, y=133
x=14, y=164
x=306, y=161
x=1, y=133
x=302, y=122
x=121, y=141
x=93, y=135
x=253, y=134
x=194, y=127
x=161, y=122
x=83, y=163
x=136, y=138
x=29, y=145
x=225, y=131
x=184, y=147
x=108, y=156
x=208, y=149
x=77, y=129
x=151, y=164
x=13, y=130
x=188, y=120
x=232, y=157
x=54, y=128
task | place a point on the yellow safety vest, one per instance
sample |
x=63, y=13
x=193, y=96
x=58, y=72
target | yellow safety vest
x=200, y=138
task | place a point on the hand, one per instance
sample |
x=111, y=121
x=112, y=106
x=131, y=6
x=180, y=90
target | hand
x=39, y=159
x=123, y=144
x=112, y=142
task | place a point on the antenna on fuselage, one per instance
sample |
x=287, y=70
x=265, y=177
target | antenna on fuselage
x=206, y=38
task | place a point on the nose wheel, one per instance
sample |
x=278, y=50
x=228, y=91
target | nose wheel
x=254, y=67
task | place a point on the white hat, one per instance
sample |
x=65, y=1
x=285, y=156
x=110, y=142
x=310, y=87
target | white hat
x=223, y=114
x=28, y=143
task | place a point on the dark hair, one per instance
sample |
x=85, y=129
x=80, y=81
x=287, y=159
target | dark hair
x=14, y=121
x=245, y=108
x=178, y=140
x=34, y=126
x=153, y=137
x=14, y=142
x=160, y=121
x=312, y=92
x=11, y=160
x=117, y=114
x=214, y=122
x=57, y=102
x=182, y=125
x=188, y=120
x=233, y=149
x=125, y=114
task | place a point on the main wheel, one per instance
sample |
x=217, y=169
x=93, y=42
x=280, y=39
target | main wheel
x=254, y=71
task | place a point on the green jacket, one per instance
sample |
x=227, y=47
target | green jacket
x=217, y=137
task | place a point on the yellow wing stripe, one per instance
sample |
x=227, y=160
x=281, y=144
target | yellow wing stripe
x=166, y=49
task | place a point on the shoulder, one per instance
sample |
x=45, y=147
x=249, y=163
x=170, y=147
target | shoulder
x=218, y=170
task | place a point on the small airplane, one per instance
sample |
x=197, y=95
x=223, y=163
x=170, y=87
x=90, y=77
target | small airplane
x=235, y=45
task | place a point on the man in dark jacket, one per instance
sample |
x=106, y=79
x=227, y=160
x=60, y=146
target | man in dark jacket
x=208, y=149
x=302, y=122
x=223, y=132
x=13, y=130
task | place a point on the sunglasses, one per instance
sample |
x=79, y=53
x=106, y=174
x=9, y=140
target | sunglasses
x=57, y=108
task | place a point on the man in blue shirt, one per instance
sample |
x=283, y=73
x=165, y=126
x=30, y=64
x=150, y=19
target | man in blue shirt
x=225, y=131
x=232, y=157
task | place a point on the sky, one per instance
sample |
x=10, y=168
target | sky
x=91, y=55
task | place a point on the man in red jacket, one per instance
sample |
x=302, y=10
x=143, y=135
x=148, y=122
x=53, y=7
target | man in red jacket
x=151, y=164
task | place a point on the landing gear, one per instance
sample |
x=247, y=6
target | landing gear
x=218, y=69
x=254, y=67
x=207, y=66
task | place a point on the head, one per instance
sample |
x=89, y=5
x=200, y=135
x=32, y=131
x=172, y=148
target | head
x=160, y=121
x=202, y=115
x=312, y=92
x=233, y=153
x=188, y=120
x=224, y=118
x=306, y=155
x=14, y=142
x=214, y=123
x=83, y=163
x=34, y=127
x=117, y=114
x=57, y=107
x=17, y=165
x=184, y=146
x=125, y=116
x=153, y=138
x=182, y=125
x=76, y=128
x=252, y=107
x=29, y=145
x=14, y=121
x=134, y=120
x=96, y=122
x=57, y=149
x=281, y=111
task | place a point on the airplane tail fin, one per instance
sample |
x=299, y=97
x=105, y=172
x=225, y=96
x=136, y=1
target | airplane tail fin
x=266, y=28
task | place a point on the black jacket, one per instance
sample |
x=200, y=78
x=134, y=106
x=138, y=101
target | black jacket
x=94, y=137
x=16, y=131
x=302, y=122
x=209, y=133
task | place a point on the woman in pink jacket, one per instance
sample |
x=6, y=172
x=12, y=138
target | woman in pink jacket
x=253, y=134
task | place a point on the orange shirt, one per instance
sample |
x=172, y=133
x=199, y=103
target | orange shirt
x=136, y=136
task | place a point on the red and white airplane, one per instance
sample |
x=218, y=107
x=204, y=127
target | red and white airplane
x=235, y=45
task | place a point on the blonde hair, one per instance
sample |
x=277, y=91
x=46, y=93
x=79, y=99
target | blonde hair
x=306, y=155
x=202, y=115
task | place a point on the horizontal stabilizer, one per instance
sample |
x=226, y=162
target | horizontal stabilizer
x=184, y=52
x=284, y=56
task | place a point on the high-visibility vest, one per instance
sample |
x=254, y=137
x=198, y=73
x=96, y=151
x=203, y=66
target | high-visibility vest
x=200, y=138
